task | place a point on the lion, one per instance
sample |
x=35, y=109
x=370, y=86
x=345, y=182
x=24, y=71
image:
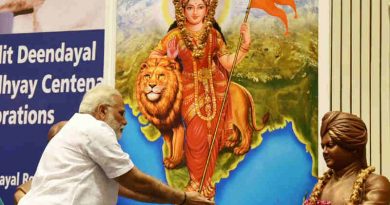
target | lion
x=242, y=103
x=159, y=96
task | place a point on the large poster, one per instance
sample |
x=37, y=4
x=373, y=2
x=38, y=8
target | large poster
x=46, y=65
x=173, y=66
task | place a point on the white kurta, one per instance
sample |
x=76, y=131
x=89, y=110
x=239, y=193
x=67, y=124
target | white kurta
x=79, y=165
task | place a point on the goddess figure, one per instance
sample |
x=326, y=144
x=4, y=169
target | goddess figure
x=200, y=49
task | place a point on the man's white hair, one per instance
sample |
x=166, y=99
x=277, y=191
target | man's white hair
x=99, y=95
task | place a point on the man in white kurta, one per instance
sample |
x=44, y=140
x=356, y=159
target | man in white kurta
x=84, y=164
x=79, y=165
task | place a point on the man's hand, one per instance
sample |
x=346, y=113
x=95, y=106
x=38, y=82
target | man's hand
x=145, y=188
x=194, y=198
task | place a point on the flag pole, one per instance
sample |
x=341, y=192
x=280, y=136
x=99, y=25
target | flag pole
x=224, y=99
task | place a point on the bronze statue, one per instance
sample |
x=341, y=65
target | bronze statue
x=349, y=179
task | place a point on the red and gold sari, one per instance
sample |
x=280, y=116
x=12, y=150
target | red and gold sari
x=204, y=84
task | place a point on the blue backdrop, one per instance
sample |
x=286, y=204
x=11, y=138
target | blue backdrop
x=38, y=89
x=277, y=172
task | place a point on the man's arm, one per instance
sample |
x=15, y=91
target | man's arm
x=21, y=191
x=148, y=189
x=123, y=191
x=146, y=186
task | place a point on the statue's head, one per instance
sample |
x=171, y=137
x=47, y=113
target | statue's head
x=343, y=139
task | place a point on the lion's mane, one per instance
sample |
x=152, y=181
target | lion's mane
x=165, y=112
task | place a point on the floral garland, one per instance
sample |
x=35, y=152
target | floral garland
x=197, y=50
x=356, y=191
x=317, y=190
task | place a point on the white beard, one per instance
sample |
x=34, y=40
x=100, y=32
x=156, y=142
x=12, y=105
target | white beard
x=115, y=125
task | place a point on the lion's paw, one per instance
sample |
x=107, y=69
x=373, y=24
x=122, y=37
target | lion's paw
x=241, y=149
x=230, y=144
x=232, y=140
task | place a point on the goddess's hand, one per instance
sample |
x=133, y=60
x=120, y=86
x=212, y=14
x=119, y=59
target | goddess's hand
x=172, y=48
x=245, y=32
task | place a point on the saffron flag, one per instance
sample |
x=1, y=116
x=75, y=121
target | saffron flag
x=270, y=7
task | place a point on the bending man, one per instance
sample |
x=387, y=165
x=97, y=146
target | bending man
x=84, y=164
